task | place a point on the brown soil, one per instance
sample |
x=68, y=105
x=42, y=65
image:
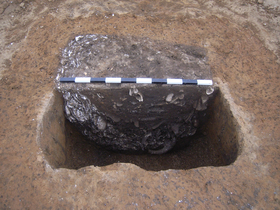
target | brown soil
x=243, y=50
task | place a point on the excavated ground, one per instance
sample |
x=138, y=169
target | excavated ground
x=242, y=39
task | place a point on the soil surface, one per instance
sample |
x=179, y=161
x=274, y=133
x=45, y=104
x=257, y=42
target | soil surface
x=242, y=42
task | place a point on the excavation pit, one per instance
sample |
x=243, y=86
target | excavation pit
x=214, y=144
x=155, y=126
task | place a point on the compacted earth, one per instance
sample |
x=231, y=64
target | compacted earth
x=233, y=163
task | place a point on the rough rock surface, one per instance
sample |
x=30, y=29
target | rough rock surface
x=145, y=118
x=98, y=55
x=242, y=40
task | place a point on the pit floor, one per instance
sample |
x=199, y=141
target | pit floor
x=242, y=39
x=197, y=152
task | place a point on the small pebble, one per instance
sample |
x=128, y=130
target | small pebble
x=181, y=96
x=101, y=123
x=169, y=97
x=136, y=123
x=210, y=90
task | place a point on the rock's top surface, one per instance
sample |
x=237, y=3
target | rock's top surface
x=97, y=55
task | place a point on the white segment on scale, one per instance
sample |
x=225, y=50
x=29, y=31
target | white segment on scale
x=144, y=80
x=82, y=80
x=204, y=82
x=113, y=80
x=174, y=81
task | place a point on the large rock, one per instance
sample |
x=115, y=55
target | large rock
x=134, y=117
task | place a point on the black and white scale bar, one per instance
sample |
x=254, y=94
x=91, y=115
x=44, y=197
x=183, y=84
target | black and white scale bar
x=118, y=80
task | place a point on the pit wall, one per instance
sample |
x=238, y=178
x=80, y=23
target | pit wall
x=52, y=132
x=223, y=128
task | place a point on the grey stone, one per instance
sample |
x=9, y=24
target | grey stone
x=134, y=117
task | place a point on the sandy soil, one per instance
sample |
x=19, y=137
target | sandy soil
x=242, y=39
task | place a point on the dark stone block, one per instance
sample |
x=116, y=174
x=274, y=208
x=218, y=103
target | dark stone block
x=134, y=117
